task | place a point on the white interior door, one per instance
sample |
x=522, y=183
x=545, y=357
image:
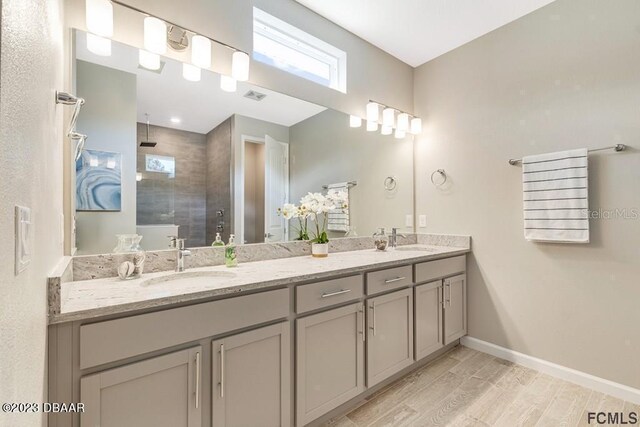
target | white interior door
x=276, y=180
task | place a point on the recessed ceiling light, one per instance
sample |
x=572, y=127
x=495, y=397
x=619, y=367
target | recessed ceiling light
x=175, y=120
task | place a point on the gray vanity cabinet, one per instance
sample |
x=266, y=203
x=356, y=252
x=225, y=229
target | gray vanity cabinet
x=251, y=378
x=455, y=307
x=164, y=391
x=429, y=318
x=390, y=335
x=329, y=360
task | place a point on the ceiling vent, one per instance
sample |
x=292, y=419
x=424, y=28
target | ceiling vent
x=256, y=96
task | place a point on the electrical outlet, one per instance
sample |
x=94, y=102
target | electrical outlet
x=22, y=238
x=422, y=219
x=408, y=221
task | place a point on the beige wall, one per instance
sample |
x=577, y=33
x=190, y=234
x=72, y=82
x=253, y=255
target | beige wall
x=565, y=76
x=31, y=161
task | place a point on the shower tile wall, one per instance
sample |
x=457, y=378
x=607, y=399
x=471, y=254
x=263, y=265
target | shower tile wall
x=180, y=200
x=219, y=179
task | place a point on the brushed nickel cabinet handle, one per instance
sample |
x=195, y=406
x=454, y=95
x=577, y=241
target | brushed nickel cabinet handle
x=447, y=285
x=197, y=380
x=221, y=370
x=333, y=294
x=363, y=331
x=397, y=279
x=373, y=317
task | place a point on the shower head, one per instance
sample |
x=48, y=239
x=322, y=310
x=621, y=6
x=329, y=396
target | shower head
x=146, y=142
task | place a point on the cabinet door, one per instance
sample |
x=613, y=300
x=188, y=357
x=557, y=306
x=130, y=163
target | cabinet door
x=251, y=378
x=428, y=300
x=390, y=338
x=330, y=360
x=455, y=308
x=162, y=391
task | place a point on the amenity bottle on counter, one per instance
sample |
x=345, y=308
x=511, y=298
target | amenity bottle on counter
x=218, y=241
x=230, y=257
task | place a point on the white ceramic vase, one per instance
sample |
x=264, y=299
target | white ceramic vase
x=320, y=250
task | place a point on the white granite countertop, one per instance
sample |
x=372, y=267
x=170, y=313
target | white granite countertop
x=93, y=298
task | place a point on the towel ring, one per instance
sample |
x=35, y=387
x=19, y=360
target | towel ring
x=390, y=183
x=442, y=173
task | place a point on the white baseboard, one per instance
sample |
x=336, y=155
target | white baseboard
x=602, y=385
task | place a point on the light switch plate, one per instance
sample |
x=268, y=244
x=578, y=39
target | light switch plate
x=408, y=221
x=422, y=220
x=23, y=238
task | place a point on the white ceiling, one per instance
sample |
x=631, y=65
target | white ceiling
x=416, y=31
x=200, y=106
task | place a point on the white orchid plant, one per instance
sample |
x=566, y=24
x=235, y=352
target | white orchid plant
x=315, y=207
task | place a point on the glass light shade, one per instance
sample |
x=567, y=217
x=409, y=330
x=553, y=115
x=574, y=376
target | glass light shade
x=155, y=35
x=372, y=126
x=191, y=73
x=99, y=15
x=355, y=121
x=386, y=130
x=416, y=125
x=400, y=134
x=201, y=51
x=388, y=115
x=240, y=66
x=403, y=122
x=372, y=112
x=227, y=83
x=98, y=45
x=148, y=60
x=138, y=176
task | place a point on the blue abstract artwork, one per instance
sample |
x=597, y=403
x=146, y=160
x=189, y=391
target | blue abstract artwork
x=99, y=181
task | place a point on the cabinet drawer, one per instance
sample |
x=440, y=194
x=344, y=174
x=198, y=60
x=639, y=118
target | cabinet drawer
x=386, y=280
x=112, y=340
x=327, y=293
x=431, y=270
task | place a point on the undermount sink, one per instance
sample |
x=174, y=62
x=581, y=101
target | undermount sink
x=189, y=277
x=416, y=249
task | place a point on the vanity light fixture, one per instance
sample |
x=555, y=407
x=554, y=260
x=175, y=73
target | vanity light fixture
x=388, y=116
x=416, y=126
x=240, y=66
x=355, y=121
x=155, y=35
x=138, y=176
x=227, y=83
x=148, y=60
x=99, y=15
x=191, y=72
x=386, y=130
x=201, y=51
x=372, y=111
x=403, y=122
x=400, y=134
x=372, y=126
x=99, y=45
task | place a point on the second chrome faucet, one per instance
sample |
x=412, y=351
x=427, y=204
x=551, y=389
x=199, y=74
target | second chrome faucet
x=181, y=252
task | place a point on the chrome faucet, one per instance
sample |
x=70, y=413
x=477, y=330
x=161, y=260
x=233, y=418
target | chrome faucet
x=393, y=239
x=181, y=252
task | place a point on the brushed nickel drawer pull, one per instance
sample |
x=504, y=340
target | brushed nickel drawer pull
x=333, y=294
x=397, y=279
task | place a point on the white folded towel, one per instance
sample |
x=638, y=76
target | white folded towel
x=338, y=219
x=556, y=197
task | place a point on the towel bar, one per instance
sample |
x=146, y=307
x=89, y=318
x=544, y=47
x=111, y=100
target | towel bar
x=617, y=147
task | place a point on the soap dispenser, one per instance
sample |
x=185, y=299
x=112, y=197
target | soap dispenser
x=218, y=241
x=230, y=256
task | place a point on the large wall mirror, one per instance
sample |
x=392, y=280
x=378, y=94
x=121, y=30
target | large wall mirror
x=169, y=156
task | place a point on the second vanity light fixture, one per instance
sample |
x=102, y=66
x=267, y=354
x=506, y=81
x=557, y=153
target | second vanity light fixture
x=99, y=19
x=402, y=122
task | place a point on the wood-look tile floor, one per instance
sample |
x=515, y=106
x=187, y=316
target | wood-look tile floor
x=465, y=387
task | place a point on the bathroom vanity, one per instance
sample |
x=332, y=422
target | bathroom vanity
x=278, y=342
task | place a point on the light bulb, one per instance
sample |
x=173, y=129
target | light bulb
x=240, y=66
x=400, y=134
x=148, y=60
x=191, y=73
x=155, y=35
x=99, y=15
x=403, y=122
x=388, y=116
x=372, y=126
x=227, y=83
x=416, y=125
x=355, y=121
x=98, y=45
x=372, y=111
x=201, y=51
x=386, y=130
